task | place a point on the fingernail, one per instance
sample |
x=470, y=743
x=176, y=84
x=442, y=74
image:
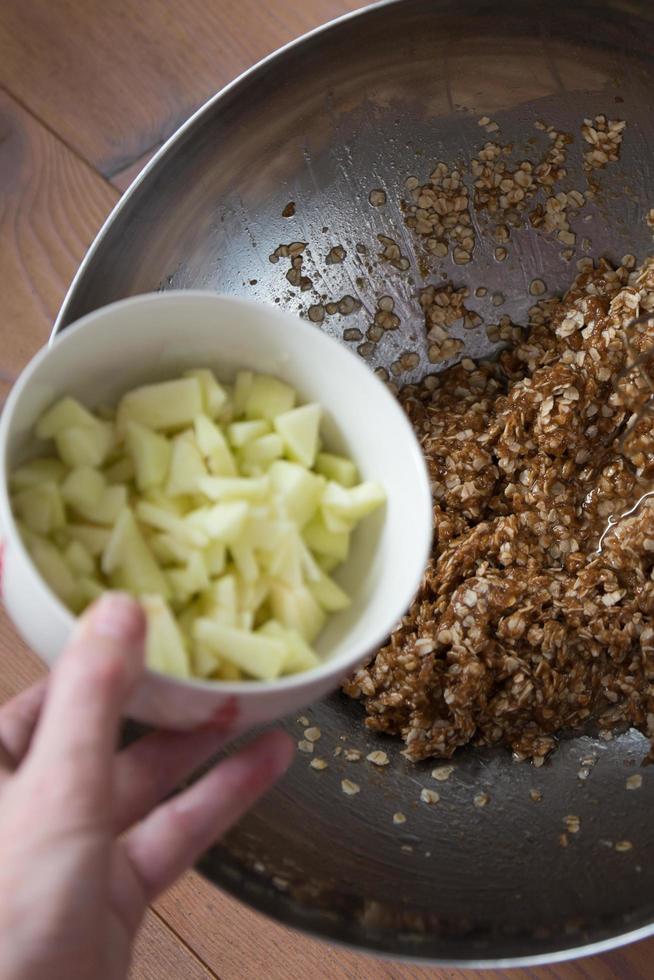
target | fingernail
x=118, y=617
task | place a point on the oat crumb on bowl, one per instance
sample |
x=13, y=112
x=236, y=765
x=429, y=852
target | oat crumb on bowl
x=350, y=788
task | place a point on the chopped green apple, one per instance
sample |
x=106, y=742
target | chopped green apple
x=150, y=453
x=83, y=445
x=83, y=487
x=299, y=429
x=214, y=396
x=128, y=553
x=67, y=413
x=260, y=656
x=189, y=581
x=322, y=541
x=222, y=522
x=79, y=559
x=167, y=520
x=355, y=503
x=120, y=471
x=40, y=507
x=300, y=656
x=299, y=489
x=165, y=650
x=297, y=609
x=164, y=407
x=240, y=433
x=340, y=469
x=234, y=488
x=186, y=466
x=268, y=397
x=242, y=387
x=214, y=447
x=328, y=594
x=52, y=566
x=94, y=539
x=37, y=471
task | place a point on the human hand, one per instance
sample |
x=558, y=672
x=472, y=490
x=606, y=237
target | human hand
x=85, y=843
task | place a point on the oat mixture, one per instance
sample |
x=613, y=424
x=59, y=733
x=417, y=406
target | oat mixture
x=532, y=617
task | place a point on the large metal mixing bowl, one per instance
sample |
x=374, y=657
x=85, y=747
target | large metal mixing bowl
x=362, y=104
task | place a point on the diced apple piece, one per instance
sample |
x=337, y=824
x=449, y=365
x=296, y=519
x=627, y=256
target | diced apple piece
x=94, y=539
x=67, y=413
x=299, y=429
x=128, y=553
x=266, y=533
x=89, y=589
x=262, y=451
x=189, y=581
x=234, y=488
x=251, y=595
x=205, y=662
x=300, y=655
x=324, y=542
x=214, y=396
x=329, y=595
x=285, y=565
x=164, y=407
x=328, y=563
x=215, y=557
x=240, y=433
x=83, y=488
x=55, y=571
x=166, y=520
x=337, y=468
x=150, y=454
x=268, y=397
x=122, y=471
x=214, y=447
x=225, y=597
x=242, y=387
x=299, y=489
x=228, y=672
x=169, y=550
x=222, y=522
x=297, y=609
x=79, y=559
x=165, y=650
x=245, y=562
x=355, y=503
x=85, y=445
x=186, y=466
x=108, y=507
x=260, y=656
x=40, y=508
x=42, y=470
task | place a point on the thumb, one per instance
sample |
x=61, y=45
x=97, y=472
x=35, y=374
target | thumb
x=77, y=731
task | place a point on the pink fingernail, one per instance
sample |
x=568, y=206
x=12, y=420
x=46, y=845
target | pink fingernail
x=119, y=617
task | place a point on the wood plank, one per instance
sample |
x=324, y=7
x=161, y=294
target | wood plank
x=50, y=209
x=159, y=955
x=115, y=79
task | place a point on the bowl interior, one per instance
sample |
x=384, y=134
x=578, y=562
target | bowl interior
x=155, y=337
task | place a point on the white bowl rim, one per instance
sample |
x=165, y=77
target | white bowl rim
x=236, y=688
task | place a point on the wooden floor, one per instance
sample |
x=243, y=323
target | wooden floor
x=88, y=90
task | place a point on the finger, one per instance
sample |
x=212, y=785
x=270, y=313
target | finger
x=154, y=766
x=176, y=833
x=18, y=719
x=78, y=728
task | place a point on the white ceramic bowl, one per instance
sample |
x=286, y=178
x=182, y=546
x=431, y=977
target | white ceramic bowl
x=152, y=337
